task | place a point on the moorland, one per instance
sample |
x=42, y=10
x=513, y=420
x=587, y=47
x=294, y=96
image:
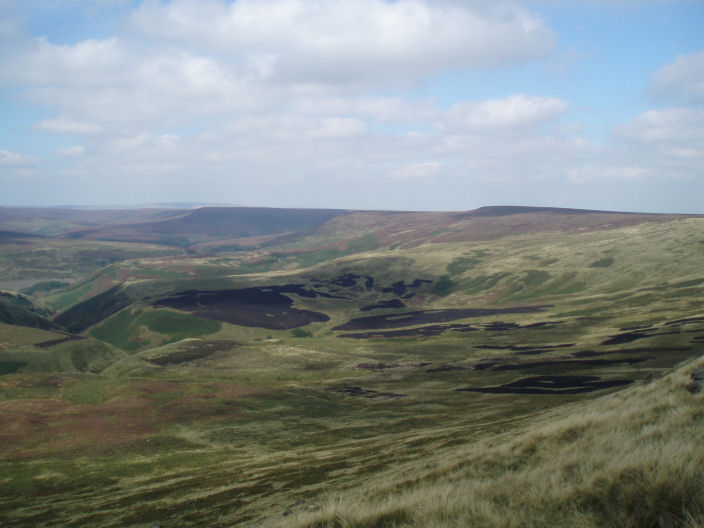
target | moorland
x=222, y=366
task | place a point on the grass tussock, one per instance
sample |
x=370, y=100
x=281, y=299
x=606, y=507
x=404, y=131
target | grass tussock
x=630, y=459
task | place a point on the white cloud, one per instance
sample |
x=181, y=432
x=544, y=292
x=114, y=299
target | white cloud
x=666, y=142
x=8, y=158
x=682, y=79
x=76, y=150
x=602, y=171
x=512, y=112
x=418, y=170
x=335, y=42
x=337, y=127
x=68, y=126
x=666, y=127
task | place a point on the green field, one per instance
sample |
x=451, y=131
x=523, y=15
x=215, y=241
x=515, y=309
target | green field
x=525, y=368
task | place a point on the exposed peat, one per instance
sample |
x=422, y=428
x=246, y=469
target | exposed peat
x=393, y=303
x=263, y=307
x=351, y=390
x=551, y=385
x=52, y=342
x=431, y=316
x=192, y=352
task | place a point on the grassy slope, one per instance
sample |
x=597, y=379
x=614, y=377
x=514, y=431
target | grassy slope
x=213, y=223
x=628, y=459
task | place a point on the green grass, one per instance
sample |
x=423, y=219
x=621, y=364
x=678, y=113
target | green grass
x=123, y=329
x=8, y=367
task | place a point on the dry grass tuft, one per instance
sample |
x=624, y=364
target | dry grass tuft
x=629, y=459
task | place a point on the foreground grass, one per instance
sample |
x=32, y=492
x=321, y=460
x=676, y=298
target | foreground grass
x=629, y=459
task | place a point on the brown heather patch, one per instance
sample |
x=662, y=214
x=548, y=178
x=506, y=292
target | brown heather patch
x=123, y=274
x=40, y=426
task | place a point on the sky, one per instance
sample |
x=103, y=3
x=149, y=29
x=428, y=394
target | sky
x=353, y=104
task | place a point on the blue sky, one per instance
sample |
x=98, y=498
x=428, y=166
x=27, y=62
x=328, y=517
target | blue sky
x=362, y=104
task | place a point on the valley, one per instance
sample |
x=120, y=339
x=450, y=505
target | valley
x=263, y=367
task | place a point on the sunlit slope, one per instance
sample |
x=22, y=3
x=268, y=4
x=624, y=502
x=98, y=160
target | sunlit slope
x=635, y=273
x=629, y=459
x=211, y=223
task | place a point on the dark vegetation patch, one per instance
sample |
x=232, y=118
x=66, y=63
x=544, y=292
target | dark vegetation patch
x=530, y=365
x=262, y=307
x=393, y=303
x=483, y=282
x=551, y=385
x=8, y=367
x=52, y=342
x=528, y=350
x=15, y=237
x=380, y=367
x=444, y=286
x=193, y=352
x=377, y=367
x=679, y=322
x=687, y=283
x=649, y=331
x=346, y=280
x=425, y=331
x=12, y=312
x=446, y=368
x=500, y=326
x=629, y=328
x=518, y=348
x=45, y=286
x=620, y=339
x=351, y=390
x=602, y=263
x=400, y=287
x=431, y=316
x=433, y=330
x=468, y=262
x=92, y=311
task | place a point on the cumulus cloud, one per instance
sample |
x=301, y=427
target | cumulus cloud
x=76, y=150
x=513, y=112
x=336, y=42
x=68, y=126
x=668, y=140
x=311, y=62
x=418, y=170
x=10, y=159
x=682, y=79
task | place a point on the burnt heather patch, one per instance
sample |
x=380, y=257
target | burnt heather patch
x=434, y=330
x=393, y=303
x=551, y=385
x=262, y=307
x=352, y=390
x=431, y=316
x=193, y=352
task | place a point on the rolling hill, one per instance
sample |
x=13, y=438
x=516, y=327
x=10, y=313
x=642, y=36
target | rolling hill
x=239, y=366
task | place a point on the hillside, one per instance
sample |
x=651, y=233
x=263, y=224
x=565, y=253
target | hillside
x=356, y=368
x=628, y=459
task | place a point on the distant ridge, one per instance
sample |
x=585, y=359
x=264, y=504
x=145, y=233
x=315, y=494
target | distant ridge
x=506, y=210
x=221, y=228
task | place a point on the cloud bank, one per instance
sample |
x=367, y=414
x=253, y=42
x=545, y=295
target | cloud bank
x=256, y=98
